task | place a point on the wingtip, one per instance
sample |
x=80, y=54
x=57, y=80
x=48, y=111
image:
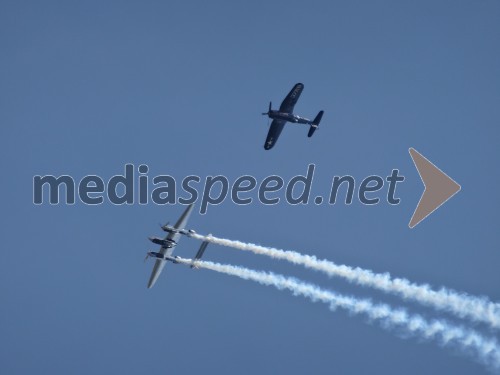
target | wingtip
x=151, y=283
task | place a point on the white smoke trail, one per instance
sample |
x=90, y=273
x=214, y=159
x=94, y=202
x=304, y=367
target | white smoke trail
x=486, y=350
x=479, y=309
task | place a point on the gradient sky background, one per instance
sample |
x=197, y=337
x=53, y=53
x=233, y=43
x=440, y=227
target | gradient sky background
x=86, y=87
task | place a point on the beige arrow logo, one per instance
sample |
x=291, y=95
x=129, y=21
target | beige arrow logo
x=439, y=187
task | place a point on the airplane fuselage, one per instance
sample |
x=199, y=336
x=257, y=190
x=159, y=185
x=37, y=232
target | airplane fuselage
x=290, y=117
x=163, y=242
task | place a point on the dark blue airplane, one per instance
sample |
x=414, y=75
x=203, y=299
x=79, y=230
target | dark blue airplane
x=285, y=114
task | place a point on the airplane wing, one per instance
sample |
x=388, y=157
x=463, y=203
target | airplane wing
x=291, y=99
x=274, y=133
x=157, y=268
x=181, y=223
x=159, y=264
x=200, y=252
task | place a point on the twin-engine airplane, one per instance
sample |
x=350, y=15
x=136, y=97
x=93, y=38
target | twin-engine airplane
x=169, y=242
x=285, y=114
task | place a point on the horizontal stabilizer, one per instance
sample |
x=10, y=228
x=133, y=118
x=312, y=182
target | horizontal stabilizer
x=199, y=254
x=315, y=124
x=312, y=129
x=317, y=120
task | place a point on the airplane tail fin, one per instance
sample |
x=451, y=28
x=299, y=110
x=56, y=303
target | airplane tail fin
x=315, y=124
x=199, y=254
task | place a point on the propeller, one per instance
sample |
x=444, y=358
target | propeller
x=147, y=256
x=269, y=111
x=161, y=226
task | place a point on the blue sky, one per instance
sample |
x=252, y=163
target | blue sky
x=179, y=86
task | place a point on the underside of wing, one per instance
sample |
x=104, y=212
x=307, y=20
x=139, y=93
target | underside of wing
x=159, y=264
x=274, y=133
x=291, y=99
x=157, y=268
x=181, y=223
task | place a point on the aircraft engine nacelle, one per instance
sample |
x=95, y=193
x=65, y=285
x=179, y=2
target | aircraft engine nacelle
x=169, y=229
x=154, y=254
x=159, y=241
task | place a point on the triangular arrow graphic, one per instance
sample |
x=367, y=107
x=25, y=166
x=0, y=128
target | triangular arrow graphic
x=439, y=187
